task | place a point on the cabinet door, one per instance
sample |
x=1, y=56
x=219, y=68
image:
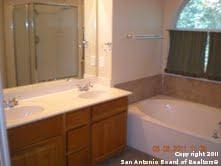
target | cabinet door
x=47, y=153
x=108, y=136
x=78, y=139
x=81, y=158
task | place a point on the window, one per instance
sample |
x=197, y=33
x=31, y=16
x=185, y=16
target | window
x=201, y=15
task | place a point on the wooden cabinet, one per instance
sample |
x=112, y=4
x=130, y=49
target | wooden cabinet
x=78, y=118
x=82, y=158
x=108, y=136
x=21, y=137
x=46, y=153
x=108, y=128
x=78, y=138
x=108, y=109
x=37, y=144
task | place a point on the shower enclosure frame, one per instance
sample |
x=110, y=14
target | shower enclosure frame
x=31, y=28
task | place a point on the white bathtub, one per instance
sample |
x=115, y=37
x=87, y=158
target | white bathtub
x=168, y=124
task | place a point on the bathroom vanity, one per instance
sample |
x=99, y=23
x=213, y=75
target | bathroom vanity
x=81, y=136
x=56, y=45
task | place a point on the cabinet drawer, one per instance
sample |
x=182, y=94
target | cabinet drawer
x=78, y=118
x=81, y=158
x=108, y=109
x=78, y=139
x=26, y=135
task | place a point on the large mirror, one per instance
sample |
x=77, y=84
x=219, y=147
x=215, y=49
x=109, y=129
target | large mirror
x=47, y=41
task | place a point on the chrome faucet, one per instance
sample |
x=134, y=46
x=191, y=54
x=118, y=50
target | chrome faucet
x=217, y=132
x=10, y=103
x=85, y=87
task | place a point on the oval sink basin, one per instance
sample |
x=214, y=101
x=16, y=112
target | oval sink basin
x=22, y=112
x=93, y=94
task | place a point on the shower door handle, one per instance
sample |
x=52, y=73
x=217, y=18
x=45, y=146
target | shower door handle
x=37, y=39
x=84, y=44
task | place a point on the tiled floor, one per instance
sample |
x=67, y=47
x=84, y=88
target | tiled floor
x=128, y=154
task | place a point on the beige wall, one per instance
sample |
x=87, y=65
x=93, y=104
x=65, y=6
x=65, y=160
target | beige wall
x=104, y=36
x=135, y=59
x=90, y=23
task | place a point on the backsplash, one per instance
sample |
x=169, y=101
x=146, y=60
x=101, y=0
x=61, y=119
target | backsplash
x=200, y=91
x=143, y=88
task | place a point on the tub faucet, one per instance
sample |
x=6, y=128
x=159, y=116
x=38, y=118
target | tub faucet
x=10, y=103
x=215, y=134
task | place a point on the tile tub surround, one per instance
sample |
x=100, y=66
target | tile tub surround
x=143, y=88
x=196, y=90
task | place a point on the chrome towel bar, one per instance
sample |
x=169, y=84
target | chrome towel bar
x=143, y=37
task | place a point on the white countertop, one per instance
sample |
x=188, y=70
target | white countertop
x=63, y=102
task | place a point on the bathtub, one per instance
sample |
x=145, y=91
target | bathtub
x=169, y=128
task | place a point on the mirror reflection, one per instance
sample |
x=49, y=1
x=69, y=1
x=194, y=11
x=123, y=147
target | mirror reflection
x=49, y=41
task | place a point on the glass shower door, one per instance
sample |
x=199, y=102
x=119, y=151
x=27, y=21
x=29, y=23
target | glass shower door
x=22, y=48
x=56, y=41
